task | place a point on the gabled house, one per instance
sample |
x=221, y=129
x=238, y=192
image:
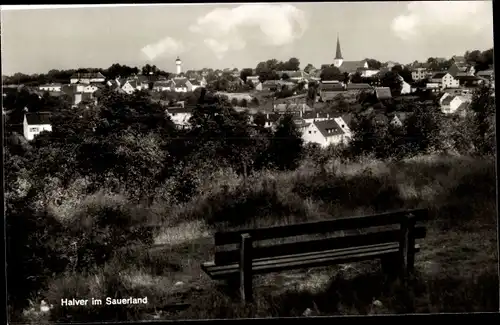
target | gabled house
x=445, y=80
x=352, y=67
x=51, y=87
x=325, y=133
x=87, y=77
x=419, y=74
x=34, y=123
x=329, y=90
x=161, y=85
x=128, y=87
x=454, y=104
x=468, y=81
x=180, y=85
x=294, y=75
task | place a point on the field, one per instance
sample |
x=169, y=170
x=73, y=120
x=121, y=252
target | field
x=457, y=267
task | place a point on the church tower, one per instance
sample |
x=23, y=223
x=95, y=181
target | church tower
x=337, y=62
x=178, y=64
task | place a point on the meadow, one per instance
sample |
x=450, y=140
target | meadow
x=456, y=270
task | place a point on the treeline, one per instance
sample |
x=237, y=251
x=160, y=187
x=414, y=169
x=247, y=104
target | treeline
x=63, y=76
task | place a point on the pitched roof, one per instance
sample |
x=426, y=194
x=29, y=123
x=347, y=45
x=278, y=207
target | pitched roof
x=383, y=92
x=331, y=86
x=38, y=118
x=353, y=86
x=466, y=77
x=463, y=106
x=173, y=110
x=293, y=74
x=330, y=95
x=351, y=66
x=402, y=116
x=488, y=72
x=52, y=85
x=195, y=82
x=329, y=128
x=439, y=75
x=447, y=100
x=180, y=82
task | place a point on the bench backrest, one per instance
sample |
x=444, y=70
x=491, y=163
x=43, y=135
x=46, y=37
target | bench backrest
x=227, y=243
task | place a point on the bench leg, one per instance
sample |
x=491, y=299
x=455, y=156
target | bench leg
x=391, y=266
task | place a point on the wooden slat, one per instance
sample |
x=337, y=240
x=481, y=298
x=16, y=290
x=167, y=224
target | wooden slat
x=231, y=256
x=261, y=267
x=319, y=227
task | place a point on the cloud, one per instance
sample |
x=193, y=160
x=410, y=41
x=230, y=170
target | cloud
x=430, y=19
x=167, y=47
x=269, y=24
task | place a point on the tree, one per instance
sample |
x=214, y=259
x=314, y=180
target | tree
x=243, y=102
x=286, y=144
x=260, y=119
x=405, y=73
x=285, y=76
x=423, y=129
x=245, y=73
x=373, y=64
x=331, y=73
x=392, y=80
x=293, y=64
x=309, y=68
x=483, y=106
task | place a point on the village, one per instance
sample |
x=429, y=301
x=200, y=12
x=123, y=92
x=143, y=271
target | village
x=322, y=100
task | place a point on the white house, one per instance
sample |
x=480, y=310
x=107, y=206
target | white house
x=34, y=123
x=445, y=80
x=325, y=133
x=91, y=88
x=419, y=74
x=454, y=104
x=180, y=116
x=127, y=87
x=51, y=87
x=87, y=78
x=180, y=85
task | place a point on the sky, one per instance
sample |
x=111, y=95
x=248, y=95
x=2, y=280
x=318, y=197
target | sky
x=239, y=35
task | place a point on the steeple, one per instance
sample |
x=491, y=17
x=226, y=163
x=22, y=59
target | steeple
x=338, y=54
x=337, y=62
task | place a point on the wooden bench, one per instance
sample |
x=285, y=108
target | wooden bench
x=389, y=237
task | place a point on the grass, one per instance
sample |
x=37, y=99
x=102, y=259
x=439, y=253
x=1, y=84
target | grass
x=456, y=267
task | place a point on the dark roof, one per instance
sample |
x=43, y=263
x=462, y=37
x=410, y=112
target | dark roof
x=52, y=85
x=330, y=95
x=447, y=100
x=466, y=78
x=347, y=118
x=272, y=117
x=463, y=106
x=402, y=116
x=383, y=92
x=293, y=74
x=329, y=128
x=353, y=86
x=38, y=118
x=270, y=82
x=351, y=66
x=331, y=86
x=195, y=82
x=439, y=75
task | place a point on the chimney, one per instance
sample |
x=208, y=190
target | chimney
x=317, y=115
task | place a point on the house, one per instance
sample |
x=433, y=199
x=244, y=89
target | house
x=180, y=85
x=419, y=74
x=325, y=133
x=92, y=88
x=399, y=118
x=87, y=77
x=461, y=69
x=128, y=87
x=294, y=108
x=468, y=81
x=383, y=93
x=269, y=85
x=352, y=67
x=454, y=104
x=358, y=86
x=297, y=99
x=161, y=85
x=180, y=116
x=488, y=74
x=405, y=87
x=390, y=64
x=50, y=87
x=195, y=83
x=445, y=80
x=34, y=123
x=329, y=90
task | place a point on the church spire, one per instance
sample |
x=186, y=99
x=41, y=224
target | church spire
x=338, y=54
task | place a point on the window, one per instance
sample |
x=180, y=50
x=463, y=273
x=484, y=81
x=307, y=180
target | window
x=310, y=132
x=33, y=129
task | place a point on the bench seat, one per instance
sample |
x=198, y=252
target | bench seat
x=305, y=260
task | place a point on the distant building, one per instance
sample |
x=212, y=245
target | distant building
x=445, y=80
x=347, y=66
x=180, y=116
x=34, y=123
x=51, y=87
x=87, y=78
x=419, y=74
